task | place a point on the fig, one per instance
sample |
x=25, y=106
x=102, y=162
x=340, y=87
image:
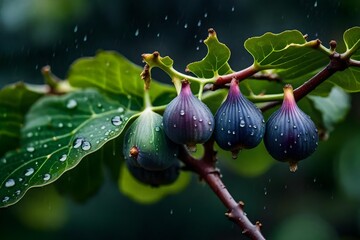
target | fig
x=155, y=178
x=290, y=134
x=187, y=120
x=146, y=144
x=239, y=124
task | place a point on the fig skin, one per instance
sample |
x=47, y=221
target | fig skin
x=239, y=123
x=155, y=178
x=290, y=134
x=187, y=120
x=146, y=144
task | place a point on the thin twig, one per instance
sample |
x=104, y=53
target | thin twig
x=206, y=169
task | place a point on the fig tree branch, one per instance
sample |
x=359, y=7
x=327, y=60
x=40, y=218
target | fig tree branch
x=205, y=168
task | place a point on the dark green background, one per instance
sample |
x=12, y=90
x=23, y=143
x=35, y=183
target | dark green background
x=320, y=201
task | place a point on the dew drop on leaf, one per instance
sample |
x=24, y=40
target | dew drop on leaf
x=10, y=183
x=29, y=171
x=30, y=149
x=116, y=121
x=5, y=199
x=85, y=146
x=63, y=158
x=47, y=177
x=71, y=104
x=78, y=142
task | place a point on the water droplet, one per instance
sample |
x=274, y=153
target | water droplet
x=275, y=127
x=10, y=183
x=3, y=160
x=199, y=23
x=200, y=120
x=71, y=104
x=116, y=121
x=182, y=112
x=78, y=142
x=63, y=158
x=314, y=180
x=285, y=151
x=233, y=132
x=85, y=38
x=205, y=15
x=5, y=199
x=294, y=127
x=30, y=149
x=157, y=128
x=171, y=212
x=233, y=9
x=275, y=139
x=242, y=123
x=315, y=4
x=185, y=26
x=194, y=118
x=75, y=28
x=281, y=134
x=60, y=125
x=158, y=35
x=228, y=131
x=85, y=146
x=166, y=17
x=252, y=133
x=255, y=126
x=17, y=192
x=29, y=134
x=120, y=109
x=209, y=122
x=29, y=172
x=174, y=125
x=46, y=177
x=137, y=32
x=229, y=143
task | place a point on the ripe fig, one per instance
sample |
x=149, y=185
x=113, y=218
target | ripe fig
x=146, y=144
x=239, y=123
x=155, y=178
x=187, y=120
x=290, y=134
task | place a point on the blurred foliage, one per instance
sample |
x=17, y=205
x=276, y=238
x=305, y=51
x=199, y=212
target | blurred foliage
x=44, y=32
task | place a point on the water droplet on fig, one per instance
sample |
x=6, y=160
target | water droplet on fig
x=116, y=121
x=242, y=123
x=182, y=112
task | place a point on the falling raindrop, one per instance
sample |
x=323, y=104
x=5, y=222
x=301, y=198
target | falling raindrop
x=186, y=25
x=205, y=15
x=233, y=8
x=10, y=183
x=85, y=38
x=137, y=32
x=75, y=28
x=199, y=23
x=315, y=4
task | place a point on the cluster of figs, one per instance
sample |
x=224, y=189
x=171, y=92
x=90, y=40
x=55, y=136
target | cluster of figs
x=152, y=141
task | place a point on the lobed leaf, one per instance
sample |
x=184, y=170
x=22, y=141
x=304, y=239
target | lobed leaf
x=111, y=72
x=15, y=101
x=288, y=53
x=59, y=132
x=352, y=42
x=215, y=62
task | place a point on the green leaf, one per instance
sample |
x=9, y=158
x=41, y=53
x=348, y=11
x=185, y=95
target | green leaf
x=215, y=62
x=333, y=107
x=59, y=132
x=352, y=42
x=213, y=99
x=111, y=72
x=287, y=52
x=15, y=101
x=349, y=79
x=146, y=194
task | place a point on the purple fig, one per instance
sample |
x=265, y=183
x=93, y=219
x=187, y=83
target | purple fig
x=187, y=120
x=290, y=134
x=239, y=123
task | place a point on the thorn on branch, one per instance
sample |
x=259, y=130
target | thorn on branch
x=258, y=225
x=241, y=204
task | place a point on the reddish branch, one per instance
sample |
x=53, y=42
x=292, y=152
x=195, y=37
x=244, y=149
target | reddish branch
x=206, y=169
x=337, y=63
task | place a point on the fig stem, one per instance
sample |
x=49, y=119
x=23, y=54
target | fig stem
x=206, y=169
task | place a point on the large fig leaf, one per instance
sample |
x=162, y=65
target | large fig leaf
x=215, y=62
x=288, y=53
x=111, y=72
x=352, y=42
x=59, y=132
x=15, y=101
